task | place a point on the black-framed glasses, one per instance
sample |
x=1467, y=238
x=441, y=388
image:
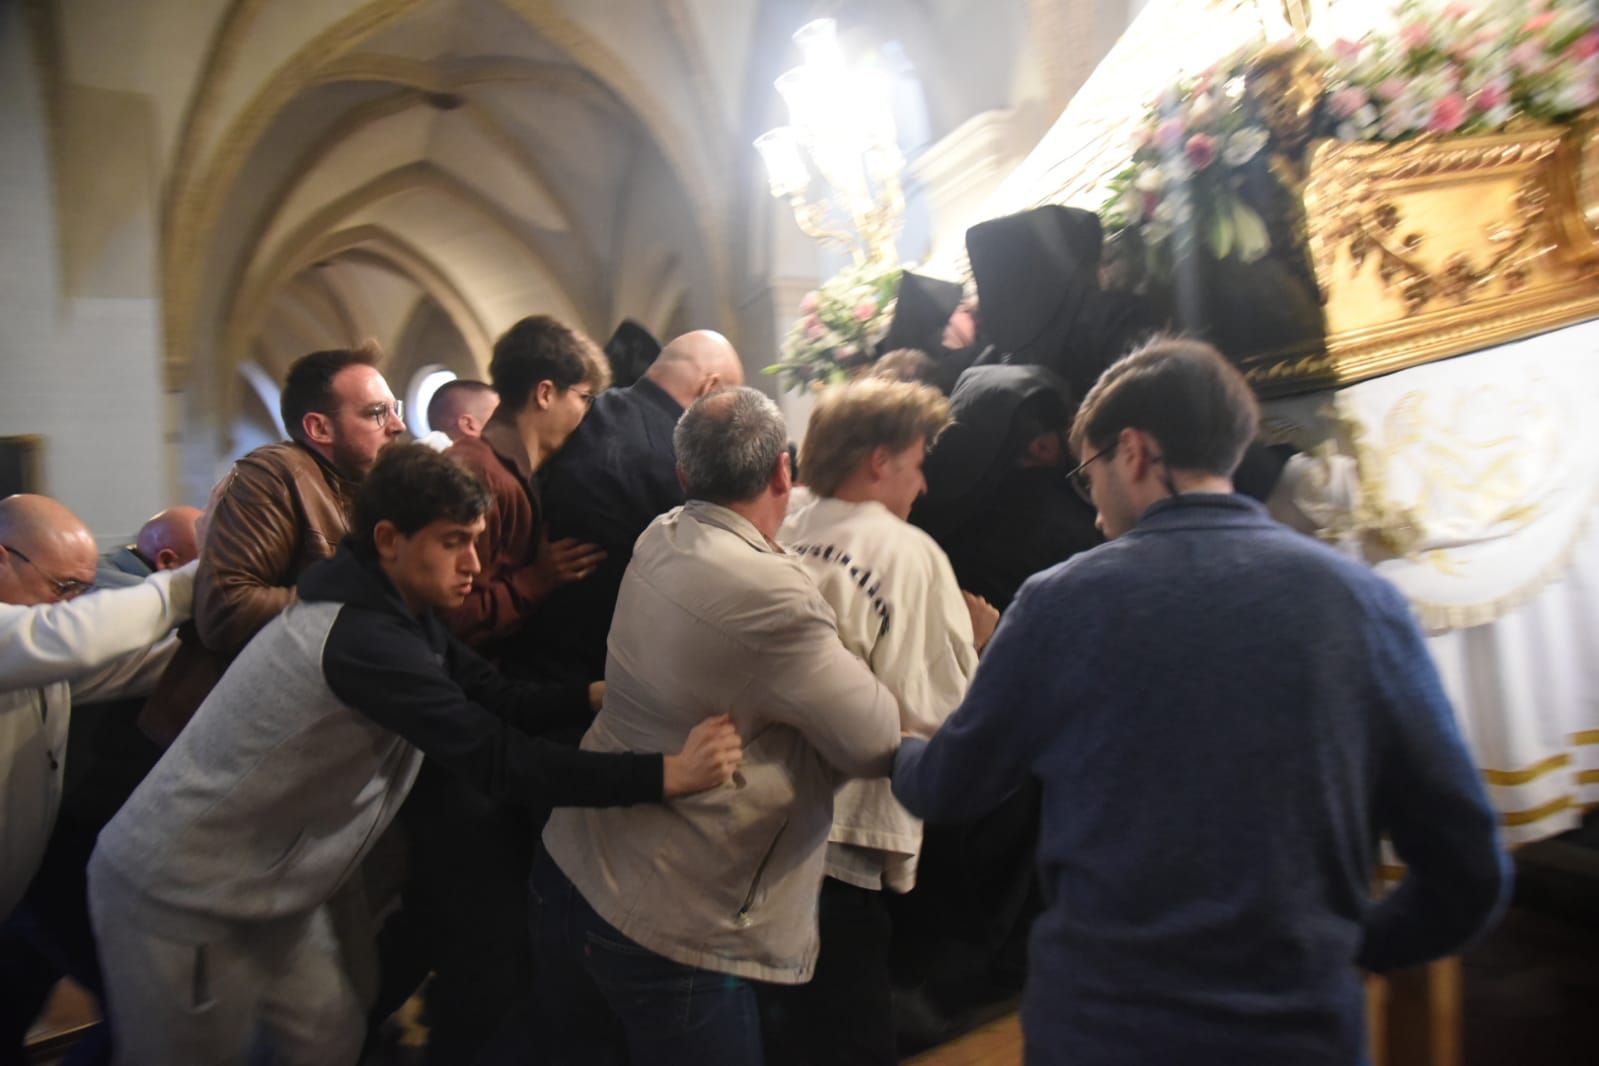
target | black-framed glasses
x=1078, y=475
x=65, y=588
x=379, y=412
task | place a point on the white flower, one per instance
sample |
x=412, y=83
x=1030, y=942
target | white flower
x=1177, y=169
x=1151, y=181
x=1243, y=145
x=1200, y=110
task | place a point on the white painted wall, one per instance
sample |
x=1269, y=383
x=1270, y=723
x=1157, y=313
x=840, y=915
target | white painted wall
x=79, y=372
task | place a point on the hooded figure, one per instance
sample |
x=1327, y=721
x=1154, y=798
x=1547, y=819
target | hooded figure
x=997, y=500
x=921, y=312
x=630, y=351
x=1037, y=275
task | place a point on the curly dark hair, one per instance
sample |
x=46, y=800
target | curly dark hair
x=412, y=486
x=542, y=348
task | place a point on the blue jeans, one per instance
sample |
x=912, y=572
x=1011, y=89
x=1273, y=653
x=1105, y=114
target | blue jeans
x=604, y=1000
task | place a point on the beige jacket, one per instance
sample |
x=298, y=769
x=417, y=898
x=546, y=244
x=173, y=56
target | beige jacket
x=714, y=618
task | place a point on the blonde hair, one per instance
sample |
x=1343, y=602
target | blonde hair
x=903, y=364
x=851, y=420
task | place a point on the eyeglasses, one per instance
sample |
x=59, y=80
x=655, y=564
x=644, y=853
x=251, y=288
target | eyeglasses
x=1078, y=475
x=65, y=588
x=379, y=412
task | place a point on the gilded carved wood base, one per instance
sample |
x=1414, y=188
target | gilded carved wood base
x=1429, y=248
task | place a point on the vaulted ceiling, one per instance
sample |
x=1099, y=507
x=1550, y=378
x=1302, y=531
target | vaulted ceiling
x=426, y=172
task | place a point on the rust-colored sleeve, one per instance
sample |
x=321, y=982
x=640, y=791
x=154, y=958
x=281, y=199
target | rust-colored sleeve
x=504, y=594
x=247, y=557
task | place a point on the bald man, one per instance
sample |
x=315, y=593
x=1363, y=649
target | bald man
x=459, y=410
x=616, y=473
x=166, y=541
x=56, y=649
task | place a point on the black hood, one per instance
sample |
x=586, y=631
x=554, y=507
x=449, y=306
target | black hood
x=1033, y=272
x=630, y=351
x=1037, y=275
x=921, y=310
x=983, y=407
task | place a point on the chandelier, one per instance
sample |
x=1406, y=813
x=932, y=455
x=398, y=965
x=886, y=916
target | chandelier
x=841, y=143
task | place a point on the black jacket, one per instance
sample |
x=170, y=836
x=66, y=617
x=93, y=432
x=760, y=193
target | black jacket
x=613, y=477
x=1000, y=523
x=411, y=676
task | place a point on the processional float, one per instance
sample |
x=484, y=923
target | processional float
x=1389, y=217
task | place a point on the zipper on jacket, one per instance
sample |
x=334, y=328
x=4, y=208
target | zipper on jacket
x=742, y=918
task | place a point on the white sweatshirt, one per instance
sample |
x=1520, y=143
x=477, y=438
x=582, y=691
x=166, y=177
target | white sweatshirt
x=899, y=608
x=106, y=645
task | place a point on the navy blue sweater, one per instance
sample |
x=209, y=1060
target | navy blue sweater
x=1225, y=717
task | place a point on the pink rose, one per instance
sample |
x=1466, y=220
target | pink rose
x=1448, y=114
x=1169, y=134
x=1416, y=36
x=1458, y=11
x=865, y=310
x=809, y=303
x=814, y=328
x=1346, y=102
x=1539, y=22
x=1494, y=94
x=1201, y=150
x=1528, y=55
x=1585, y=47
x=1347, y=51
x=1391, y=88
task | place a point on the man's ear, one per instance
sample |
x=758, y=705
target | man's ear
x=711, y=383
x=1139, y=448
x=782, y=482
x=317, y=427
x=467, y=426
x=544, y=394
x=877, y=461
x=166, y=559
x=386, y=539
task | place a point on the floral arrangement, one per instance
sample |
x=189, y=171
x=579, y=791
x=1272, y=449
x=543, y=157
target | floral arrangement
x=839, y=327
x=1191, y=156
x=1465, y=68
x=1204, y=146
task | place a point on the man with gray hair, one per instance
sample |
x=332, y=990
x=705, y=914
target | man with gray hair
x=654, y=922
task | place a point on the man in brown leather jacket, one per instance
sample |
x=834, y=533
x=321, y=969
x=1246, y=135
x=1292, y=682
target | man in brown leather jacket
x=280, y=509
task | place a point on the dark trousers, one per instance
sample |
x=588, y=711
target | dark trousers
x=464, y=918
x=605, y=1001
x=48, y=935
x=845, y=1015
x=46, y=938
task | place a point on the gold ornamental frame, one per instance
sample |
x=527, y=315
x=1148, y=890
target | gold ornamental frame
x=1430, y=248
